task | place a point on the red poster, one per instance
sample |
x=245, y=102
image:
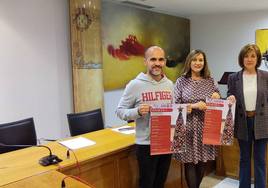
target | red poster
x=219, y=122
x=160, y=134
x=212, y=128
x=163, y=122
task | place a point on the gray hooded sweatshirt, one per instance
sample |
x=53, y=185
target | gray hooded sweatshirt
x=143, y=89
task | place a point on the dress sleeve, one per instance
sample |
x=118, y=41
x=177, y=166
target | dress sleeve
x=178, y=92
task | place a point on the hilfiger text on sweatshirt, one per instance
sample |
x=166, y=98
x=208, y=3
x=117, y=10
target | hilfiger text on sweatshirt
x=156, y=96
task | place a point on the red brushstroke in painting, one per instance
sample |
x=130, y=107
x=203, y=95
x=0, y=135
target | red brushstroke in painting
x=129, y=47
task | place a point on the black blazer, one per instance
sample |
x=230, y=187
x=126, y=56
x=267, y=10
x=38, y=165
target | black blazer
x=235, y=87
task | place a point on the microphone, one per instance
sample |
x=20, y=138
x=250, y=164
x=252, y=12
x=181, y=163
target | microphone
x=44, y=161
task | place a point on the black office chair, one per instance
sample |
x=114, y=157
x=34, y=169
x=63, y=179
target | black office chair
x=84, y=122
x=20, y=132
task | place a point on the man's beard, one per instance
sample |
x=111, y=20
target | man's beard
x=156, y=72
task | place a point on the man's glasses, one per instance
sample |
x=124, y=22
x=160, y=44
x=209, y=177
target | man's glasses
x=161, y=59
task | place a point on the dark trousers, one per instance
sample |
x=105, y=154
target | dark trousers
x=259, y=153
x=153, y=169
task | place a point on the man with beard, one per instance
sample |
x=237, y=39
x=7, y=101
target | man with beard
x=147, y=89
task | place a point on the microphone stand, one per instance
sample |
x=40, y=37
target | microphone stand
x=44, y=161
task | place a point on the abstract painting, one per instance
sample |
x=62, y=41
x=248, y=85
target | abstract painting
x=262, y=42
x=128, y=31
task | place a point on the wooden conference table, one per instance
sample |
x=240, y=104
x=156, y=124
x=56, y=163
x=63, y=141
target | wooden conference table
x=50, y=179
x=111, y=162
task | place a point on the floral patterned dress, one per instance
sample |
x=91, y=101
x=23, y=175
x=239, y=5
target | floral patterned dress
x=192, y=91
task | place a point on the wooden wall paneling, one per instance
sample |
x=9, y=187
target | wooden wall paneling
x=115, y=170
x=100, y=173
x=175, y=174
x=128, y=170
x=86, y=47
x=229, y=159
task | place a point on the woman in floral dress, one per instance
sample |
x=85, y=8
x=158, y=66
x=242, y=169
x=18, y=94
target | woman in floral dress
x=192, y=88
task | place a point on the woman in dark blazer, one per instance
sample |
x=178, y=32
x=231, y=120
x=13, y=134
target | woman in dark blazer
x=249, y=88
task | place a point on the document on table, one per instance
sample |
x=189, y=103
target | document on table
x=77, y=143
x=125, y=129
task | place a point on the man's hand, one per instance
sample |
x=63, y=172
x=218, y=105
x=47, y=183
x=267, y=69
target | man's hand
x=143, y=109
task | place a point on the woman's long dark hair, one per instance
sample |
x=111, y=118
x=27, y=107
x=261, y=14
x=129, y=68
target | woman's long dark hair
x=187, y=72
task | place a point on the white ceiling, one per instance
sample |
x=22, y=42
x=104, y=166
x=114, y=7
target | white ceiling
x=200, y=7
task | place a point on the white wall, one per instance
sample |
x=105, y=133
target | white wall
x=35, y=73
x=111, y=100
x=222, y=36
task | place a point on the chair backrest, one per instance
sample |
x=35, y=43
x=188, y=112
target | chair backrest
x=20, y=132
x=84, y=122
